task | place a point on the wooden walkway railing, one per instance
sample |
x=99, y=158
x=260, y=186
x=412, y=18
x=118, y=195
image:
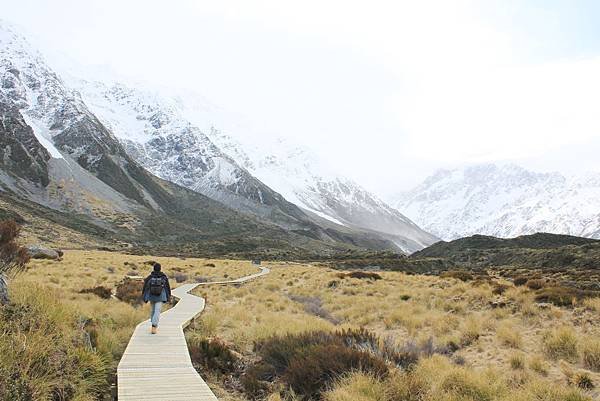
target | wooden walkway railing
x=157, y=367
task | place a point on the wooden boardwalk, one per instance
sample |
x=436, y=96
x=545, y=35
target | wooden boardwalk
x=158, y=367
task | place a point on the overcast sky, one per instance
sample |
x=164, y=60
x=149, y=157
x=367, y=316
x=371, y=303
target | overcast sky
x=387, y=91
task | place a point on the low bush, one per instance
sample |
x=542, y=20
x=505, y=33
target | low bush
x=564, y=296
x=308, y=363
x=535, y=284
x=101, y=291
x=499, y=289
x=520, y=280
x=130, y=290
x=180, y=277
x=213, y=354
x=361, y=275
x=458, y=274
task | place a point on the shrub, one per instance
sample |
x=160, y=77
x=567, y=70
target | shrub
x=520, y=280
x=101, y=291
x=209, y=264
x=213, y=354
x=361, y=275
x=499, y=288
x=13, y=257
x=559, y=296
x=457, y=274
x=560, y=343
x=308, y=362
x=309, y=374
x=130, y=290
x=535, y=284
x=590, y=353
x=180, y=277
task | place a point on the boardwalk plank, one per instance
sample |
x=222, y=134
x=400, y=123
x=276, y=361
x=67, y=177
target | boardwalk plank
x=158, y=367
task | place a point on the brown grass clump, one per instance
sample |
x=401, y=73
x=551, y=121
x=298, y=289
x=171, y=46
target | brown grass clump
x=520, y=280
x=360, y=275
x=101, y=291
x=457, y=274
x=563, y=296
x=535, y=284
x=13, y=257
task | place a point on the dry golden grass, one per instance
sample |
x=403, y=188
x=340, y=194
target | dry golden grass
x=452, y=314
x=410, y=307
x=111, y=321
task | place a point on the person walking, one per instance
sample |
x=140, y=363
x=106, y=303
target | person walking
x=158, y=291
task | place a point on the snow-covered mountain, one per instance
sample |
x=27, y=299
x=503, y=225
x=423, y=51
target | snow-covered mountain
x=155, y=133
x=304, y=179
x=504, y=201
x=96, y=147
x=176, y=137
x=59, y=159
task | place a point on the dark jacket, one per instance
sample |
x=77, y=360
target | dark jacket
x=165, y=296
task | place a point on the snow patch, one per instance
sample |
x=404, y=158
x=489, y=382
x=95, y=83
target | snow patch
x=43, y=136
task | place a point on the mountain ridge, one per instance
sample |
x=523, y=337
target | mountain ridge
x=504, y=201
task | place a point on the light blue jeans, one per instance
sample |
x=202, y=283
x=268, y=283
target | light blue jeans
x=155, y=308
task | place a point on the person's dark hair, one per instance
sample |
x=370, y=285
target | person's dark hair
x=157, y=267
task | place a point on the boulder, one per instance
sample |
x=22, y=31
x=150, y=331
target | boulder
x=38, y=252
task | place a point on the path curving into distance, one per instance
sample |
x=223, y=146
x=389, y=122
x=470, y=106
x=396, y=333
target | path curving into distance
x=157, y=367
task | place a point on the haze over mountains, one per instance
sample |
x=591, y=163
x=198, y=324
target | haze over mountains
x=98, y=151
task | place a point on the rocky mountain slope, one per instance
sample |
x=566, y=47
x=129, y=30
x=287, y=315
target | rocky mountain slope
x=310, y=183
x=175, y=138
x=504, y=201
x=59, y=156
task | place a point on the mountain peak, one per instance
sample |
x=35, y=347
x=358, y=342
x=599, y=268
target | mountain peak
x=504, y=201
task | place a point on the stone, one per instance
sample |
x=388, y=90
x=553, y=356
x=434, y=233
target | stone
x=39, y=252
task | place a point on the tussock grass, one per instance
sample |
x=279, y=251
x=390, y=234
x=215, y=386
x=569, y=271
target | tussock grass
x=508, y=334
x=590, y=353
x=561, y=343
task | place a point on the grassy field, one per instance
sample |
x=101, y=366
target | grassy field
x=474, y=341
x=50, y=320
x=427, y=337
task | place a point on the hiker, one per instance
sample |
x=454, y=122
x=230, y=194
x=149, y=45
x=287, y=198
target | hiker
x=157, y=291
